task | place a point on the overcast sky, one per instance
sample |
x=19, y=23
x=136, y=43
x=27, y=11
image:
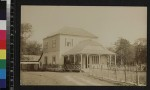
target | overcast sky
x=106, y=22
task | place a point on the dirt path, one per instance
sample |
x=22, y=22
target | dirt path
x=60, y=78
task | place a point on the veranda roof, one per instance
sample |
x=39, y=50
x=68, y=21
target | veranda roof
x=88, y=47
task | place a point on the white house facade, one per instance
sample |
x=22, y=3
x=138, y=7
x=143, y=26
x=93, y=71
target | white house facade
x=76, y=46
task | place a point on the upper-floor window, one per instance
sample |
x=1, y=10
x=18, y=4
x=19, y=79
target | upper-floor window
x=46, y=46
x=53, y=43
x=68, y=42
x=45, y=60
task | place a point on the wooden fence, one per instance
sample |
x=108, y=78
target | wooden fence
x=129, y=75
x=72, y=67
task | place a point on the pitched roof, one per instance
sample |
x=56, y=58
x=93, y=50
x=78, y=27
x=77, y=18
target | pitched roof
x=73, y=31
x=30, y=58
x=89, y=47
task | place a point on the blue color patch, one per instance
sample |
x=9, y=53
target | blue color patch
x=2, y=83
x=2, y=73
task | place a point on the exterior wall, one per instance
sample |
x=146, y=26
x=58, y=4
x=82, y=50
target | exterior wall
x=84, y=61
x=49, y=56
x=48, y=45
x=104, y=61
x=50, y=50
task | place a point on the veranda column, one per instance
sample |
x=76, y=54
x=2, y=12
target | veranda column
x=110, y=60
x=81, y=61
x=99, y=59
x=87, y=60
x=74, y=58
x=115, y=59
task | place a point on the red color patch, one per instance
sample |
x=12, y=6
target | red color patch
x=2, y=44
x=2, y=35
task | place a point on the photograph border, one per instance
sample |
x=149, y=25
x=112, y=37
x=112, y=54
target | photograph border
x=135, y=3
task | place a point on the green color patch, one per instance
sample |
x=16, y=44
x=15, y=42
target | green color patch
x=2, y=64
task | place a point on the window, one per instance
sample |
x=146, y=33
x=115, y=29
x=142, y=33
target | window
x=53, y=43
x=45, y=60
x=95, y=60
x=53, y=60
x=46, y=46
x=68, y=42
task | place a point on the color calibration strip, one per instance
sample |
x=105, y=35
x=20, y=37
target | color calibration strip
x=2, y=44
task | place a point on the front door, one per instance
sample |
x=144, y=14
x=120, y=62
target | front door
x=53, y=60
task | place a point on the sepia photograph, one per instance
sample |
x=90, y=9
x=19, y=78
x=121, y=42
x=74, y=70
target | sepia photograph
x=83, y=45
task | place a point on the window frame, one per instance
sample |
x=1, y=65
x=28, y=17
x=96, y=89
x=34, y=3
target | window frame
x=53, y=59
x=68, y=42
x=53, y=43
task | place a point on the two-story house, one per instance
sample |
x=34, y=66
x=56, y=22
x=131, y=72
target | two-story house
x=77, y=46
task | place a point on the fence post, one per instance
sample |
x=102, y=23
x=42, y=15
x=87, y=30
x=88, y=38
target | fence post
x=90, y=70
x=102, y=71
x=137, y=75
x=130, y=70
x=108, y=73
x=125, y=74
x=116, y=72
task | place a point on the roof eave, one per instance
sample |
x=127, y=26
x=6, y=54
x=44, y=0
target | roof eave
x=69, y=35
x=50, y=36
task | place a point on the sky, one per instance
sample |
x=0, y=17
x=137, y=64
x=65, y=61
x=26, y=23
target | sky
x=108, y=23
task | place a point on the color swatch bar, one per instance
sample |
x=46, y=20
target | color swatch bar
x=2, y=44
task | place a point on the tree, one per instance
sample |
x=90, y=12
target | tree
x=111, y=49
x=26, y=30
x=25, y=34
x=124, y=51
x=33, y=48
x=140, y=51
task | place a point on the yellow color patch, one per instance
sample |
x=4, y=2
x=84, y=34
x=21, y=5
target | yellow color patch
x=2, y=54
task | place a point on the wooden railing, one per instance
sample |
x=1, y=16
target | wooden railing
x=72, y=67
